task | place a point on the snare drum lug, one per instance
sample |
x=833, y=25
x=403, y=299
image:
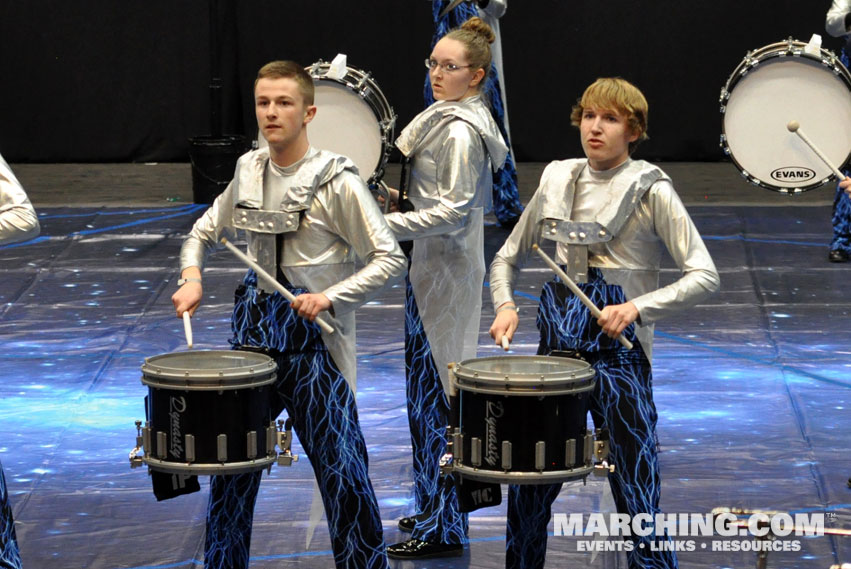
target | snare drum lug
x=570, y=453
x=540, y=455
x=271, y=438
x=161, y=444
x=251, y=444
x=190, y=448
x=506, y=455
x=222, y=448
x=458, y=445
x=146, y=439
x=588, y=448
x=476, y=451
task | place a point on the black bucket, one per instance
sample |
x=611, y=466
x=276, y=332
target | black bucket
x=213, y=163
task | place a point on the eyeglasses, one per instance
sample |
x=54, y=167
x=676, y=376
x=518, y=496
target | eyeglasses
x=431, y=65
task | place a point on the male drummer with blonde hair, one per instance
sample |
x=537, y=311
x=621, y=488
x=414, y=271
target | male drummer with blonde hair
x=610, y=217
x=307, y=215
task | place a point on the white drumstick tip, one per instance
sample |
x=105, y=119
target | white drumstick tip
x=187, y=328
x=505, y=343
x=793, y=126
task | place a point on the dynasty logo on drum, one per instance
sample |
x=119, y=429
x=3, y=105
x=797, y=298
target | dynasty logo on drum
x=793, y=174
x=177, y=406
x=493, y=412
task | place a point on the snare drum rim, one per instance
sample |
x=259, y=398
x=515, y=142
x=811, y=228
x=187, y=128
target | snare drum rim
x=522, y=476
x=156, y=374
x=374, y=97
x=200, y=469
x=579, y=380
x=788, y=48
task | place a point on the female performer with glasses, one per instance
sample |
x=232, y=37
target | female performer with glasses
x=452, y=149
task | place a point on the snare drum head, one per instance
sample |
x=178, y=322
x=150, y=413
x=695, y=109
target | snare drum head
x=208, y=369
x=763, y=101
x=519, y=373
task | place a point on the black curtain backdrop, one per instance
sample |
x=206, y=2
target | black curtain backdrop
x=107, y=81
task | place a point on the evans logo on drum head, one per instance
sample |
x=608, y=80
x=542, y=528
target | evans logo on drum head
x=793, y=174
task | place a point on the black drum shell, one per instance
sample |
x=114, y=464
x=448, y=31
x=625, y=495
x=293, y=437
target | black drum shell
x=523, y=400
x=217, y=393
x=524, y=421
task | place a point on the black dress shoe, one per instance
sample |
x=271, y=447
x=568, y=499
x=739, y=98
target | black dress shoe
x=407, y=524
x=417, y=549
x=837, y=256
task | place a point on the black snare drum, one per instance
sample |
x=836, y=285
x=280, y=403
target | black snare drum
x=209, y=412
x=522, y=419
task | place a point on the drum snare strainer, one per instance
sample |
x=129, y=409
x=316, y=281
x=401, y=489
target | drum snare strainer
x=522, y=420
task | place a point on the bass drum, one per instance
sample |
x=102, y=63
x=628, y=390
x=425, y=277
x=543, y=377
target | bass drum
x=773, y=86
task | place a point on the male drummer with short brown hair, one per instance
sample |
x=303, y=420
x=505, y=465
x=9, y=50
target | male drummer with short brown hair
x=610, y=216
x=307, y=215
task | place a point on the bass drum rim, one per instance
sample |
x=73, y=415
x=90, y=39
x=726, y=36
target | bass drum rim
x=793, y=49
x=362, y=85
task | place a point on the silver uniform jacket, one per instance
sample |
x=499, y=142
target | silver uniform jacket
x=453, y=146
x=328, y=218
x=835, y=20
x=631, y=257
x=18, y=220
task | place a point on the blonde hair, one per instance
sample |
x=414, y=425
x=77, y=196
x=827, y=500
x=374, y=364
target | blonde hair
x=289, y=70
x=476, y=35
x=615, y=94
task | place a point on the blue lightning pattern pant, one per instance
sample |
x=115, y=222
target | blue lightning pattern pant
x=10, y=556
x=322, y=406
x=622, y=402
x=428, y=415
x=841, y=218
x=506, y=196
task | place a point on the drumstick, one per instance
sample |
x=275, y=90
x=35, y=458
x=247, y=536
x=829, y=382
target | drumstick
x=795, y=126
x=575, y=290
x=505, y=343
x=187, y=328
x=278, y=286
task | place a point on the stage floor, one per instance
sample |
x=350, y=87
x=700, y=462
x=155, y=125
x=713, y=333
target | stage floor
x=752, y=390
